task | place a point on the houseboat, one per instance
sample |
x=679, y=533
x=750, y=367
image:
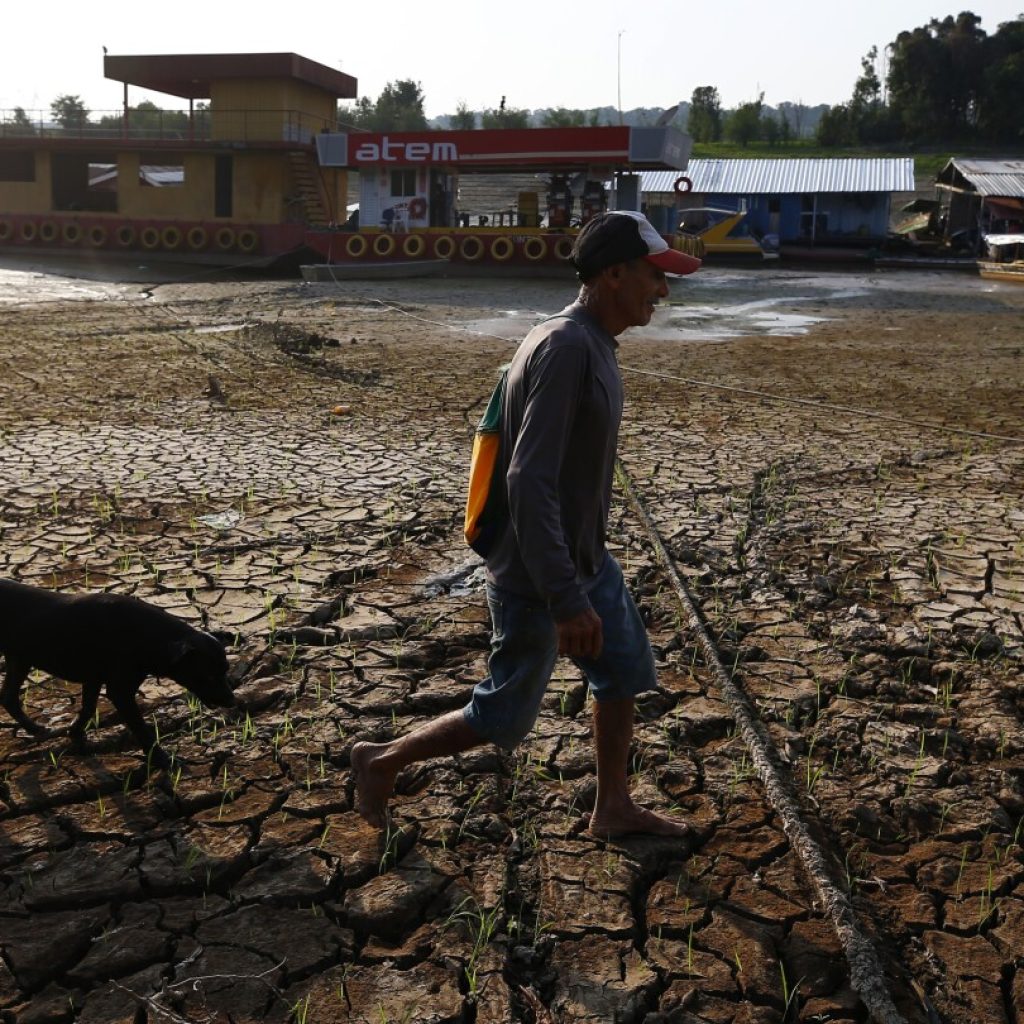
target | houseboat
x=234, y=180
x=261, y=174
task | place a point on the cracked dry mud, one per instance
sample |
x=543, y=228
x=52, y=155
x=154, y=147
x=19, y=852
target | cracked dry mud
x=862, y=578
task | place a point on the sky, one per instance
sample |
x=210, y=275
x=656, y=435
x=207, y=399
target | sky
x=534, y=52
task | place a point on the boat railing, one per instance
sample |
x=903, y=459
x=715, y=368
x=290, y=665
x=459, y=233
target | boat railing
x=202, y=124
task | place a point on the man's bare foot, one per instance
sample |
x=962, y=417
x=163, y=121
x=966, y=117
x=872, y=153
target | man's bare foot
x=632, y=820
x=374, y=783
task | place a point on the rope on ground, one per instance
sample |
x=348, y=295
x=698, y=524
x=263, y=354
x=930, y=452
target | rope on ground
x=829, y=406
x=866, y=972
x=447, y=325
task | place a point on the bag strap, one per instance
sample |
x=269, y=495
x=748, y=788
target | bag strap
x=490, y=422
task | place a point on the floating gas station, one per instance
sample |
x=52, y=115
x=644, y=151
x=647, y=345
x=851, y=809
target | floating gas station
x=409, y=188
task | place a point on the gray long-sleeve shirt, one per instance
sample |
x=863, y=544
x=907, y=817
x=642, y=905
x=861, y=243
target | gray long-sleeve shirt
x=560, y=428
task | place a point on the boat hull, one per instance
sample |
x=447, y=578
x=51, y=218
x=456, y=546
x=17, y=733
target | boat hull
x=1001, y=271
x=461, y=248
x=209, y=243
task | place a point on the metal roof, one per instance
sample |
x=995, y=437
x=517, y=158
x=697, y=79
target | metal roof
x=988, y=177
x=759, y=177
x=190, y=74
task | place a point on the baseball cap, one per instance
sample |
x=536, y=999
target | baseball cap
x=623, y=235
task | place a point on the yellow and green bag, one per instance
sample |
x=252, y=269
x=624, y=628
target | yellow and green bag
x=486, y=502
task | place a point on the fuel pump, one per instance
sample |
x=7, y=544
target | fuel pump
x=559, y=199
x=595, y=200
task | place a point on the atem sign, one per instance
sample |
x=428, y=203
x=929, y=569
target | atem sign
x=387, y=150
x=547, y=148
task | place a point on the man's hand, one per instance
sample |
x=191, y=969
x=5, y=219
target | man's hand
x=581, y=636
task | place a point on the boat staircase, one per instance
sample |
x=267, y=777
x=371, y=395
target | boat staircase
x=309, y=192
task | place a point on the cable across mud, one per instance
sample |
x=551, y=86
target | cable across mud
x=867, y=973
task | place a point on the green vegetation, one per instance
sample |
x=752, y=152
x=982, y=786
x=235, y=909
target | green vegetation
x=69, y=112
x=951, y=80
x=705, y=120
x=942, y=83
x=505, y=117
x=19, y=123
x=945, y=81
x=398, y=108
x=147, y=118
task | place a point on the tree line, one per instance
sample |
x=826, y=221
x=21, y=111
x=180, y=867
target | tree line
x=400, y=107
x=947, y=81
x=70, y=113
x=944, y=82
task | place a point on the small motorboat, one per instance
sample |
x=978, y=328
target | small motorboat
x=726, y=233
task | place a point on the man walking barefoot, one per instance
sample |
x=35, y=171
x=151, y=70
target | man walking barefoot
x=552, y=587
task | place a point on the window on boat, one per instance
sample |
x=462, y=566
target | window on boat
x=81, y=181
x=403, y=182
x=16, y=166
x=157, y=172
x=103, y=177
x=695, y=221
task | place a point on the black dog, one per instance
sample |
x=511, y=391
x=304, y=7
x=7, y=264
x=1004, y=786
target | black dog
x=94, y=639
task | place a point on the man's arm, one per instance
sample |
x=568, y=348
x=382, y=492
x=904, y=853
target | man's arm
x=556, y=376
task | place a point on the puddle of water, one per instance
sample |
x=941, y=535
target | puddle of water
x=716, y=323
x=764, y=303
x=29, y=286
x=681, y=322
x=63, y=276
x=221, y=328
x=512, y=328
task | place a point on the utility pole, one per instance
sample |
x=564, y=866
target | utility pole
x=619, y=71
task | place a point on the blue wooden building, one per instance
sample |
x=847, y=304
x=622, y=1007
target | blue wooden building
x=801, y=201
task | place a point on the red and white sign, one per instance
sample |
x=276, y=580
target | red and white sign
x=543, y=148
x=384, y=149
x=548, y=148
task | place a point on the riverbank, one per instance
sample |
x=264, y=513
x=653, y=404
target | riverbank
x=835, y=464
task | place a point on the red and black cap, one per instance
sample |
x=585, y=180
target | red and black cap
x=623, y=235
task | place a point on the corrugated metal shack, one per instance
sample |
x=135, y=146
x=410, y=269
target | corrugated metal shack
x=979, y=198
x=802, y=201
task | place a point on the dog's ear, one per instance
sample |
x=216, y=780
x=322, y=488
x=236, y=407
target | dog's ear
x=194, y=646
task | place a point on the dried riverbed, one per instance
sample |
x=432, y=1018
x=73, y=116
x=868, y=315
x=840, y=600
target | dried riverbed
x=284, y=463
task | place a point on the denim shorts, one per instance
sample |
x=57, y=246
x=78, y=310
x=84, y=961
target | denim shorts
x=524, y=648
